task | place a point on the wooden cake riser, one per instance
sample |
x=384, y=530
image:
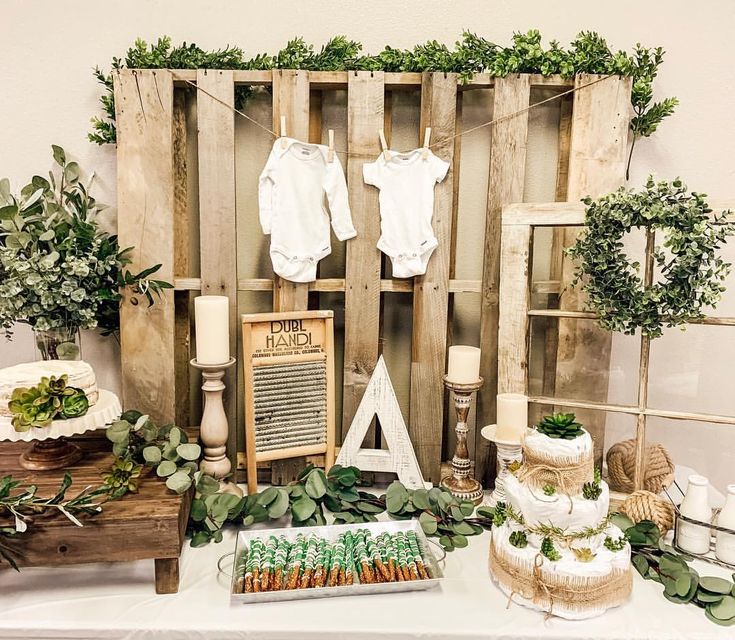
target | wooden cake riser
x=49, y=455
x=147, y=525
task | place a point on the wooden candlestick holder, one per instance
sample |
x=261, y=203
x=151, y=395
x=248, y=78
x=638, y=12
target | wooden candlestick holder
x=509, y=453
x=215, y=429
x=461, y=483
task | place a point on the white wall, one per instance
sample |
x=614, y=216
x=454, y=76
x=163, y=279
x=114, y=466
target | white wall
x=48, y=94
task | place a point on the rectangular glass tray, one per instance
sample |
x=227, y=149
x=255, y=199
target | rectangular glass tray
x=331, y=533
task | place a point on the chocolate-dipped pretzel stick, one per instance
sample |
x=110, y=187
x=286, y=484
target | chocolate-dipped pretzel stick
x=296, y=560
x=349, y=557
x=375, y=553
x=336, y=571
x=281, y=558
x=310, y=561
x=269, y=563
x=413, y=545
x=362, y=560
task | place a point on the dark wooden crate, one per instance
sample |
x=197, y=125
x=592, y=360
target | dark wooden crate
x=146, y=525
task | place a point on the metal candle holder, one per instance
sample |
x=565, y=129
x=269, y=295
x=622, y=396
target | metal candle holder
x=461, y=483
x=509, y=452
x=214, y=429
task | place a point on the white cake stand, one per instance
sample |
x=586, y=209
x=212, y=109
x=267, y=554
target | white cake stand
x=50, y=448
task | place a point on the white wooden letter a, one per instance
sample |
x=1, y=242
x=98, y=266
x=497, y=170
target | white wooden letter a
x=380, y=400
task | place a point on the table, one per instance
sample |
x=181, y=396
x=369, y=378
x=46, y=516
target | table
x=149, y=524
x=118, y=601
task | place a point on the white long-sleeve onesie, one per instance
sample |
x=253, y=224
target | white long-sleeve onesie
x=406, y=182
x=291, y=194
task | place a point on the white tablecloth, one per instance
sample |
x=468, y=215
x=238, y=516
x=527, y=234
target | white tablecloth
x=119, y=601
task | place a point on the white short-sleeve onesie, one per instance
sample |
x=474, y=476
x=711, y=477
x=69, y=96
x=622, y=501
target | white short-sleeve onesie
x=406, y=182
x=291, y=196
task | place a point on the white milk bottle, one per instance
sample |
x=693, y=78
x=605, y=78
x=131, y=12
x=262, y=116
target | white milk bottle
x=725, y=546
x=691, y=537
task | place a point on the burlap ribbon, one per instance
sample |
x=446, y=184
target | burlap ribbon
x=572, y=593
x=568, y=475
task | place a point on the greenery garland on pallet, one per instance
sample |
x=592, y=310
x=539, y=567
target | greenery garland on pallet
x=588, y=53
x=691, y=272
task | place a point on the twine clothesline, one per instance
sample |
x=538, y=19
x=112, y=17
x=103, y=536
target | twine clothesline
x=437, y=143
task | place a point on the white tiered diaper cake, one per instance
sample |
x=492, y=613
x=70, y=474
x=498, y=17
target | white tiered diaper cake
x=555, y=550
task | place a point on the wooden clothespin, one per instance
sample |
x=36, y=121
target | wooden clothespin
x=330, y=152
x=283, y=132
x=427, y=139
x=384, y=145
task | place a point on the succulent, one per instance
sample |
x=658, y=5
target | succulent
x=74, y=403
x=499, y=515
x=612, y=544
x=50, y=399
x=584, y=554
x=549, y=550
x=560, y=426
x=122, y=477
x=32, y=407
x=549, y=489
x=591, y=490
x=518, y=539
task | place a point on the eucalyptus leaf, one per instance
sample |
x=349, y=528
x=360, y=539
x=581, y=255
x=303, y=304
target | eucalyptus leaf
x=303, y=508
x=278, y=507
x=166, y=468
x=428, y=523
x=152, y=455
x=316, y=484
x=189, y=451
x=179, y=481
x=267, y=496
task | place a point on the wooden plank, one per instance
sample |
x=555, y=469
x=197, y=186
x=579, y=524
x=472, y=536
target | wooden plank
x=431, y=290
x=182, y=240
x=393, y=80
x=551, y=333
x=365, y=105
x=505, y=185
x=145, y=187
x=597, y=157
x=217, y=218
x=387, y=285
x=291, y=99
x=514, y=301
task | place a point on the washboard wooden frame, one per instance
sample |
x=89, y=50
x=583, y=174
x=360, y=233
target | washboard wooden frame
x=151, y=112
x=260, y=348
x=519, y=223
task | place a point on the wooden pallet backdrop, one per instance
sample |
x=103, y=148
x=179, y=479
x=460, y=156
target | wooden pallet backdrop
x=152, y=183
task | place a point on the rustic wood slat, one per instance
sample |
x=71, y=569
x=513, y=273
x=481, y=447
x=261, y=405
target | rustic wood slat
x=551, y=332
x=182, y=240
x=365, y=105
x=217, y=219
x=145, y=191
x=505, y=185
x=431, y=290
x=597, y=155
x=393, y=80
x=291, y=99
x=514, y=301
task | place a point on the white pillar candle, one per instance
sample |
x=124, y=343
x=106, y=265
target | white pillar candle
x=512, y=412
x=464, y=364
x=212, y=323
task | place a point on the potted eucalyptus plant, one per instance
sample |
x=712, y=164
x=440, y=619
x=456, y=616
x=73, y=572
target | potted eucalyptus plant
x=59, y=271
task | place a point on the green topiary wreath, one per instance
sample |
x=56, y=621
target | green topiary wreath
x=690, y=273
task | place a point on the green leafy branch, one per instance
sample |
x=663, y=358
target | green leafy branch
x=472, y=54
x=21, y=504
x=314, y=493
x=656, y=560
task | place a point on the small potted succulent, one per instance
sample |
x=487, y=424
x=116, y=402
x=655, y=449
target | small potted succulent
x=560, y=426
x=59, y=271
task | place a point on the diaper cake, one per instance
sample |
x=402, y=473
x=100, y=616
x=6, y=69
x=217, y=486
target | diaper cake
x=553, y=547
x=46, y=401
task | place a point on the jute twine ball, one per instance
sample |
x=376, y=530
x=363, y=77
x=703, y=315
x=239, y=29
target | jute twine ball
x=659, y=472
x=644, y=505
